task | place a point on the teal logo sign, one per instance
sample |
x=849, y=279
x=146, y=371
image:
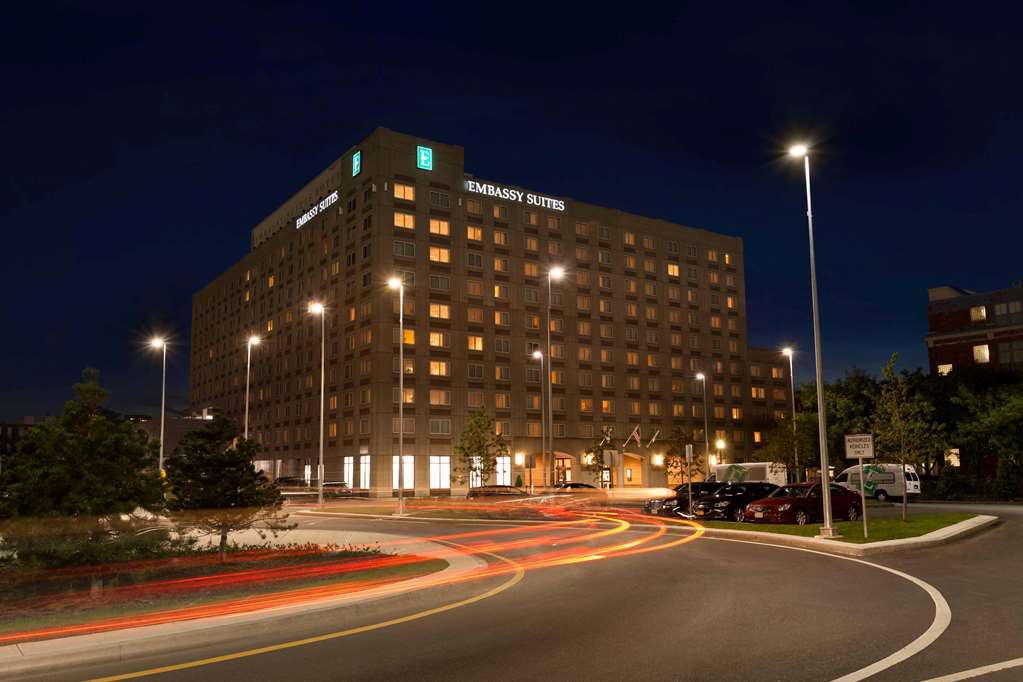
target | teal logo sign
x=424, y=158
x=356, y=163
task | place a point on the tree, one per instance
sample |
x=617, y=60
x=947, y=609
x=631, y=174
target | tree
x=780, y=439
x=80, y=487
x=675, y=457
x=993, y=428
x=904, y=425
x=594, y=460
x=214, y=488
x=478, y=448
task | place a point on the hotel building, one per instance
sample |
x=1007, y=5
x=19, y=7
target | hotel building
x=643, y=307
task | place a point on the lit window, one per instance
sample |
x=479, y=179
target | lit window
x=404, y=191
x=406, y=221
x=944, y=370
x=440, y=311
x=978, y=313
x=475, y=342
x=981, y=354
x=673, y=270
x=474, y=233
x=439, y=254
x=440, y=471
x=439, y=368
x=438, y=226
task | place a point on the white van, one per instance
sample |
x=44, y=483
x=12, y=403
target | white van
x=751, y=472
x=883, y=480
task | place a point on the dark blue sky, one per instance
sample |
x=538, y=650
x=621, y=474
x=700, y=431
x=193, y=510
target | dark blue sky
x=141, y=147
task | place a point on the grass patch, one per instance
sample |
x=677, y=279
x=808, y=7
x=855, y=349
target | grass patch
x=38, y=600
x=852, y=531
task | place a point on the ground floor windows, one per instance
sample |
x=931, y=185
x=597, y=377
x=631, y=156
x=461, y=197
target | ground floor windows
x=503, y=471
x=348, y=471
x=408, y=472
x=440, y=472
x=364, y=471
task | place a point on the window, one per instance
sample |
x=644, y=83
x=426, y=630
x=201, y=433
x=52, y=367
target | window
x=441, y=227
x=474, y=260
x=439, y=199
x=981, y=354
x=474, y=342
x=474, y=315
x=531, y=269
x=474, y=233
x=404, y=249
x=364, y=471
x=404, y=191
x=440, y=427
x=440, y=340
x=503, y=470
x=440, y=472
x=440, y=311
x=978, y=313
x=501, y=291
x=475, y=399
x=474, y=206
x=475, y=371
x=439, y=254
x=777, y=373
x=673, y=269
x=531, y=243
x=407, y=473
x=440, y=282
x=410, y=395
x=502, y=318
x=410, y=425
x=501, y=212
x=406, y=221
x=944, y=370
x=440, y=368
x=440, y=397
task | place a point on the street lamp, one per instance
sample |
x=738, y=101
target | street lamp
x=701, y=377
x=395, y=283
x=797, y=151
x=555, y=274
x=316, y=308
x=538, y=355
x=719, y=445
x=253, y=341
x=787, y=352
x=158, y=343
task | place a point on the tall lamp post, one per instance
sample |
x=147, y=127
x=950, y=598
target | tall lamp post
x=702, y=378
x=555, y=274
x=316, y=308
x=538, y=355
x=160, y=344
x=395, y=283
x=787, y=352
x=802, y=151
x=719, y=445
x=253, y=341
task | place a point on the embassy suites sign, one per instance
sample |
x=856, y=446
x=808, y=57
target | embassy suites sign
x=489, y=189
x=324, y=204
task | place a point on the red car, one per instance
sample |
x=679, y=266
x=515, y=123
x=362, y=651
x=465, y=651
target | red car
x=800, y=503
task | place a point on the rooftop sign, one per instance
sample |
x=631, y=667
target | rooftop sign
x=325, y=203
x=517, y=195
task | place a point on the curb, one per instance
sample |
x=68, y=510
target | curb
x=941, y=536
x=118, y=645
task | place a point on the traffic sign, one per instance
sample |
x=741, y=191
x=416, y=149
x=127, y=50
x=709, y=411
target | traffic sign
x=689, y=452
x=859, y=446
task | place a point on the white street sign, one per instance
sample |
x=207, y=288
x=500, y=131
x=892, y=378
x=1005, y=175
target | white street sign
x=859, y=446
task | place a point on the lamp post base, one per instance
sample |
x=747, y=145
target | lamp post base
x=828, y=533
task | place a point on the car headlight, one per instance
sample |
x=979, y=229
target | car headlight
x=785, y=507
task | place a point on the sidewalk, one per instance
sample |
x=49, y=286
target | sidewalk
x=52, y=654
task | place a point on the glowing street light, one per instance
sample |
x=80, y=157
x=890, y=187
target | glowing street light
x=788, y=352
x=253, y=341
x=797, y=151
x=702, y=378
x=538, y=356
x=395, y=283
x=317, y=308
x=555, y=274
x=159, y=343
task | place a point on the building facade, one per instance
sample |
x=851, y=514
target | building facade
x=969, y=329
x=643, y=307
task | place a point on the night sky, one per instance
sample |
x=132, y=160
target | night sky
x=140, y=149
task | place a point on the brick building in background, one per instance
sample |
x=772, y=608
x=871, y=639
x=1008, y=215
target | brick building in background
x=970, y=329
x=644, y=306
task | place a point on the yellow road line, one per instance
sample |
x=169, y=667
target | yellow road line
x=517, y=575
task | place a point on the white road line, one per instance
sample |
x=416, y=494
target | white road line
x=977, y=672
x=942, y=614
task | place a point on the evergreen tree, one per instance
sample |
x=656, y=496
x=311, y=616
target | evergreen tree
x=478, y=449
x=80, y=487
x=214, y=488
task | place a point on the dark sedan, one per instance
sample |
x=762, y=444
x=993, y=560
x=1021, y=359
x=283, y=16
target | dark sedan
x=802, y=503
x=679, y=500
x=730, y=501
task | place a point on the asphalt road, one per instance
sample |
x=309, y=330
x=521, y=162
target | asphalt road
x=708, y=609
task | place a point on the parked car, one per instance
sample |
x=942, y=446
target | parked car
x=729, y=501
x=570, y=486
x=679, y=499
x=496, y=491
x=883, y=480
x=801, y=503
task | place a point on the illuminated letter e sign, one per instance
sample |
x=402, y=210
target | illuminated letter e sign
x=424, y=158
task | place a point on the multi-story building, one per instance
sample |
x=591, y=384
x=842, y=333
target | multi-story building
x=643, y=307
x=970, y=329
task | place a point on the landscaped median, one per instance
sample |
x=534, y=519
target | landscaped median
x=885, y=534
x=149, y=610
